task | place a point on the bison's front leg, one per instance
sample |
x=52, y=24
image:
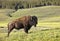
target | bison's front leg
x=26, y=30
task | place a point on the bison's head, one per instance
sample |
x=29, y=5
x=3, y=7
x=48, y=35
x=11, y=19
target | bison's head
x=34, y=21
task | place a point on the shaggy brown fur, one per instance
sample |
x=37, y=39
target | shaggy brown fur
x=25, y=22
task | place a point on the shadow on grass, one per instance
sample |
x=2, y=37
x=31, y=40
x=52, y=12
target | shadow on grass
x=50, y=29
x=39, y=28
x=5, y=30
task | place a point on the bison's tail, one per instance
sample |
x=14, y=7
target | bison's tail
x=8, y=30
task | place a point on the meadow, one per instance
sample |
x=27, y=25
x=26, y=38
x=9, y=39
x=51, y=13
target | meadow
x=48, y=17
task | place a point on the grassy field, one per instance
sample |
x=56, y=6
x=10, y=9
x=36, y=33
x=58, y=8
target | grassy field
x=34, y=35
x=48, y=17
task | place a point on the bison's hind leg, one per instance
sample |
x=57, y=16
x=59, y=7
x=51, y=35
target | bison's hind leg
x=9, y=30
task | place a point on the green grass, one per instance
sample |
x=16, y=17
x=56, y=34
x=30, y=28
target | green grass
x=34, y=35
x=4, y=18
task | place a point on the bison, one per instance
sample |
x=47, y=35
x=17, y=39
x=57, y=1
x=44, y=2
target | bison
x=25, y=22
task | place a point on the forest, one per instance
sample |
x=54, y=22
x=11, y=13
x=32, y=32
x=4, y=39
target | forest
x=22, y=4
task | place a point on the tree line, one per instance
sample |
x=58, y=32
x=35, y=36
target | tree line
x=21, y=4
